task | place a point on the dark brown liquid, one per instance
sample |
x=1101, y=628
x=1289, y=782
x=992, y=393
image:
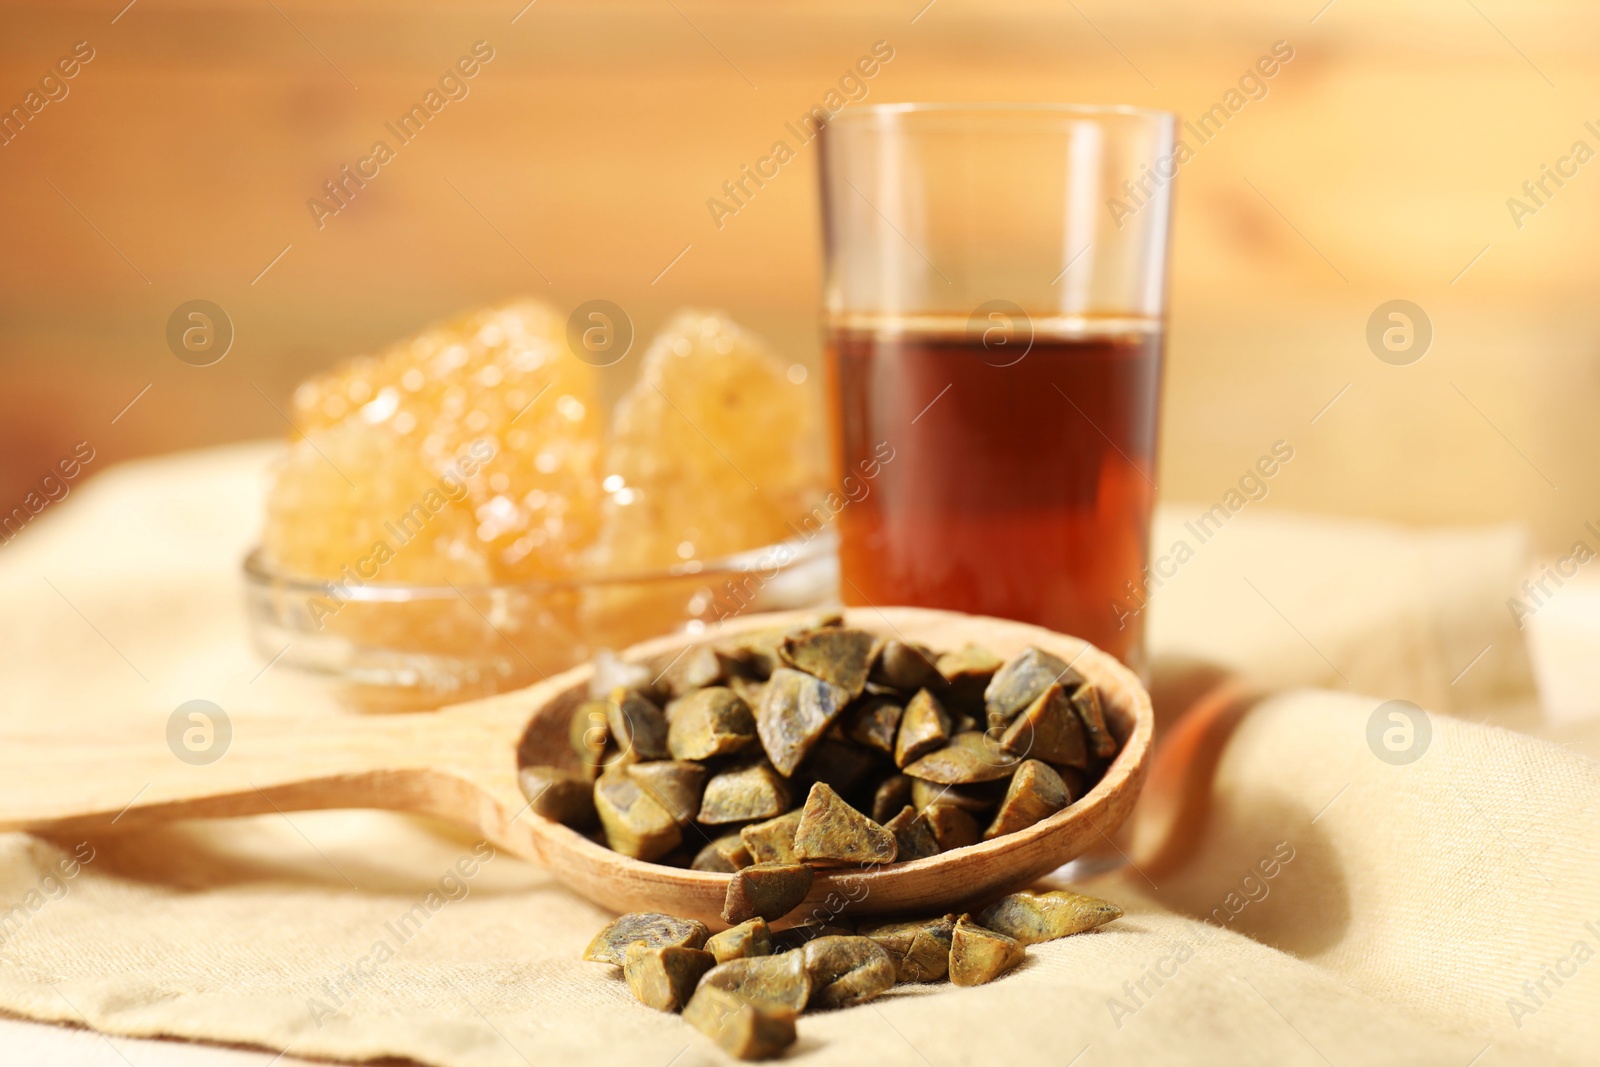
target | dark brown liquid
x=1021, y=491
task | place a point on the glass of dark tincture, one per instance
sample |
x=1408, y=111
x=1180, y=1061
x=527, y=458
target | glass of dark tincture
x=995, y=308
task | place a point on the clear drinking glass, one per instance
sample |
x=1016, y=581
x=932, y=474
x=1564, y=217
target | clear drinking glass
x=995, y=304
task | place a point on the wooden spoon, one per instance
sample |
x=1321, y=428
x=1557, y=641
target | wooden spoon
x=460, y=764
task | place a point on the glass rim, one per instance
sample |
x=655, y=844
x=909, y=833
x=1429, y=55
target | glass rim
x=1033, y=108
x=259, y=573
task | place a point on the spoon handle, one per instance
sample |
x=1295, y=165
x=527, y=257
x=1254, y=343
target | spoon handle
x=204, y=767
x=1170, y=823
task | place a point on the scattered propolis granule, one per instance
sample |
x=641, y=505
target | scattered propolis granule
x=468, y=453
x=712, y=451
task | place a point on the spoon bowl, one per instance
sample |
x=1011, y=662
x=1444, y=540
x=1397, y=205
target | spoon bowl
x=460, y=764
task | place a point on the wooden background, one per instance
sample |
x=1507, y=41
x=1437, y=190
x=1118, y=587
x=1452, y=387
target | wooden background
x=1377, y=167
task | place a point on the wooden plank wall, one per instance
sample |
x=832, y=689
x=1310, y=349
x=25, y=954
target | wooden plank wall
x=1377, y=166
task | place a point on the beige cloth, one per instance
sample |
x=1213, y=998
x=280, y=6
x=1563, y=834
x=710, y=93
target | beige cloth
x=1406, y=909
x=1348, y=604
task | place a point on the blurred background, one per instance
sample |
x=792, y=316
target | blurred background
x=1377, y=166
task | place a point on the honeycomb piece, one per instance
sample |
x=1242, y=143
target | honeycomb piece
x=496, y=383
x=322, y=526
x=712, y=451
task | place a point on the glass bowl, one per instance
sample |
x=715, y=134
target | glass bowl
x=389, y=646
